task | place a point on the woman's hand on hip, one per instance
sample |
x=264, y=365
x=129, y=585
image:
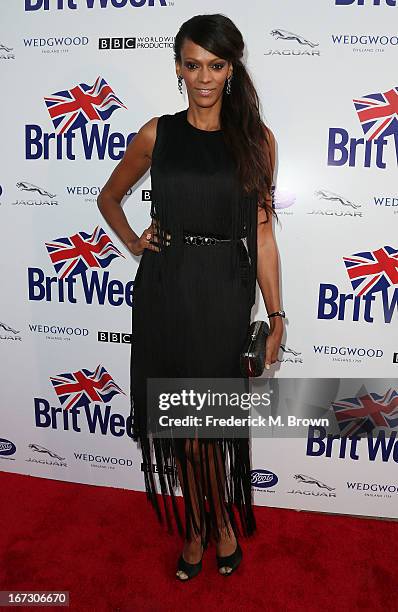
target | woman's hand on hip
x=147, y=240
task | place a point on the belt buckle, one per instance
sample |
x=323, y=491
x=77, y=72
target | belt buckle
x=199, y=240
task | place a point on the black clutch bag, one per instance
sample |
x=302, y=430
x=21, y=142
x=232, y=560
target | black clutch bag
x=252, y=356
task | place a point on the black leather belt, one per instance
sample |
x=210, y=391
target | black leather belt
x=199, y=240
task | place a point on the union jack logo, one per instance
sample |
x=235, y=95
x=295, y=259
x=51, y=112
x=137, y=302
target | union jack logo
x=79, y=388
x=71, y=109
x=372, y=271
x=356, y=415
x=378, y=113
x=75, y=254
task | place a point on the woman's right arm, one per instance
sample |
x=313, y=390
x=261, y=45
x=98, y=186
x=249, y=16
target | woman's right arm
x=135, y=162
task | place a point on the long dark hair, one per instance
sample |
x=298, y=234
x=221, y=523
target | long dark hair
x=250, y=143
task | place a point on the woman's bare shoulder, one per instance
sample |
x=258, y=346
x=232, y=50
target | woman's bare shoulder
x=146, y=136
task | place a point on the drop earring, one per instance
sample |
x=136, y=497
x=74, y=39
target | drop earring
x=179, y=78
x=228, y=88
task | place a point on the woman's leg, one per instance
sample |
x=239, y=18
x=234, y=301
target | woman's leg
x=191, y=481
x=215, y=483
x=201, y=473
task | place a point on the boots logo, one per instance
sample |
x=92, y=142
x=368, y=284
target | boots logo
x=71, y=109
x=75, y=389
x=263, y=479
x=7, y=447
x=377, y=114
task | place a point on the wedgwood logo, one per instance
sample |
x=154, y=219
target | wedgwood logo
x=58, y=332
x=56, y=44
x=349, y=354
x=365, y=43
x=103, y=461
x=373, y=489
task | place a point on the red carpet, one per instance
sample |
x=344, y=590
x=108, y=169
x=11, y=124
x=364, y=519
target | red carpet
x=106, y=548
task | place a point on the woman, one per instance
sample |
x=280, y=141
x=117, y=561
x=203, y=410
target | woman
x=211, y=172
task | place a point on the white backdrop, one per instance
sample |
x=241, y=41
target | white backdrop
x=325, y=74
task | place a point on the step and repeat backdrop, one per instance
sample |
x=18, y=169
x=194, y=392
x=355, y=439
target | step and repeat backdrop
x=79, y=78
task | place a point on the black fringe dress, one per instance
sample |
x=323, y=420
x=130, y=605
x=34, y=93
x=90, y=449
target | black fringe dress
x=191, y=312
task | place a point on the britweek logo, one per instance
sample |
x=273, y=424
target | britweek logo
x=76, y=260
x=72, y=112
x=56, y=44
x=367, y=2
x=84, y=397
x=377, y=114
x=363, y=414
x=46, y=5
x=373, y=275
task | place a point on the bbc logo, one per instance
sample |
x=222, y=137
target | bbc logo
x=146, y=195
x=395, y=358
x=117, y=43
x=118, y=337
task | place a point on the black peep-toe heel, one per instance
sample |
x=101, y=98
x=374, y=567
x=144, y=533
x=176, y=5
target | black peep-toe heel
x=231, y=561
x=193, y=569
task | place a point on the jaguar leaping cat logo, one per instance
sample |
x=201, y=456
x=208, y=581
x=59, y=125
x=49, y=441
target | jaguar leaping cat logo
x=25, y=186
x=4, y=48
x=285, y=35
x=7, y=328
x=42, y=449
x=286, y=349
x=323, y=194
x=311, y=480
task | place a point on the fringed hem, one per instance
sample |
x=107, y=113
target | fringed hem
x=215, y=480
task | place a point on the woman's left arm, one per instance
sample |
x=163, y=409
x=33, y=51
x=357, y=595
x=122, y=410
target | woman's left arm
x=268, y=273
